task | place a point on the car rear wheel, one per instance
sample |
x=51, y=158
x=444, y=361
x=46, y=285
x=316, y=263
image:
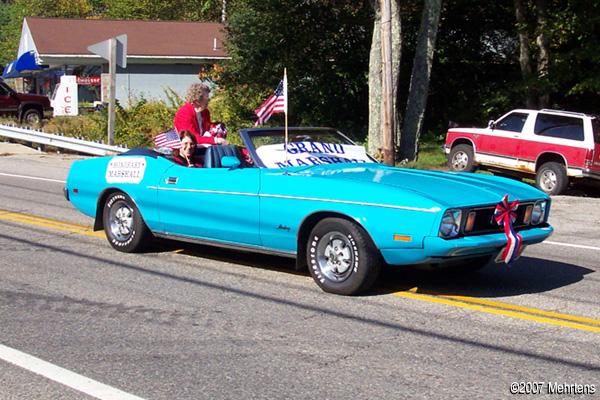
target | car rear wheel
x=552, y=178
x=32, y=117
x=462, y=158
x=341, y=257
x=125, y=228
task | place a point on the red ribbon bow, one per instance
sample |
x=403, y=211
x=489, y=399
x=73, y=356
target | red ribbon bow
x=505, y=215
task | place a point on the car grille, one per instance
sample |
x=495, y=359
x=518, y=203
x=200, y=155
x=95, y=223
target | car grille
x=485, y=223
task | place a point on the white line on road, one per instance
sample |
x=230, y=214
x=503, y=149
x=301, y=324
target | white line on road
x=579, y=246
x=32, y=177
x=63, y=376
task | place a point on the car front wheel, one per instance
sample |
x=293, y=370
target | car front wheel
x=341, y=257
x=125, y=228
x=552, y=178
x=462, y=158
x=32, y=117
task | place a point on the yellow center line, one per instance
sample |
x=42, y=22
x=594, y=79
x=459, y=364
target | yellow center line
x=48, y=223
x=509, y=310
x=466, y=302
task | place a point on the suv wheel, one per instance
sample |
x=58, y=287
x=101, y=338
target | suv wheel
x=552, y=178
x=461, y=158
x=32, y=117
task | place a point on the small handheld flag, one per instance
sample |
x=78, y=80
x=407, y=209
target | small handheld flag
x=169, y=139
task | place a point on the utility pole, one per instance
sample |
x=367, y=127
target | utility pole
x=112, y=71
x=387, y=114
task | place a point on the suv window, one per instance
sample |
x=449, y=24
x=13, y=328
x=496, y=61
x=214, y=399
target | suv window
x=513, y=122
x=3, y=91
x=559, y=126
x=596, y=129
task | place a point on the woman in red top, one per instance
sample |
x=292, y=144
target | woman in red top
x=185, y=156
x=194, y=116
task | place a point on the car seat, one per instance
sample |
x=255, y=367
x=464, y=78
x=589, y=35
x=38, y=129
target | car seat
x=214, y=154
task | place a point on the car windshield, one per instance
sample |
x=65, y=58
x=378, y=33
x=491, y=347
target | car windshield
x=306, y=147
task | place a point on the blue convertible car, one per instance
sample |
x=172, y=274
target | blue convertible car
x=320, y=199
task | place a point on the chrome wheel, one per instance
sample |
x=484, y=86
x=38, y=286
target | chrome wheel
x=335, y=257
x=341, y=257
x=460, y=161
x=548, y=180
x=461, y=158
x=121, y=221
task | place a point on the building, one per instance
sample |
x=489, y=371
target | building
x=161, y=55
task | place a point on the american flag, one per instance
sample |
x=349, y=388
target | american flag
x=169, y=139
x=275, y=104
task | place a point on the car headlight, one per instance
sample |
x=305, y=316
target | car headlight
x=450, y=226
x=539, y=212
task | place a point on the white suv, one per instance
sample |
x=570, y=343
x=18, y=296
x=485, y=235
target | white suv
x=553, y=145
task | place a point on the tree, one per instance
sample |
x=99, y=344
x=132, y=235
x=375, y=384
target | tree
x=375, y=134
x=419, y=83
x=537, y=95
x=166, y=10
x=324, y=45
x=13, y=15
x=574, y=38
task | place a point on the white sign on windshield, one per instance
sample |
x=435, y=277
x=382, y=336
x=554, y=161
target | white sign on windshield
x=310, y=153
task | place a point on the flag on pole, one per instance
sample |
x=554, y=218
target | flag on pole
x=277, y=103
x=169, y=139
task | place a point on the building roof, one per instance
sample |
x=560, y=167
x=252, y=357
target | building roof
x=55, y=38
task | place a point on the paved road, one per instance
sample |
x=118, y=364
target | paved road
x=191, y=322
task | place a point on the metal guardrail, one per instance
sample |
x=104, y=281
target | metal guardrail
x=63, y=142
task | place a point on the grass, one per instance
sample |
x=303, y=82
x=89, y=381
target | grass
x=430, y=156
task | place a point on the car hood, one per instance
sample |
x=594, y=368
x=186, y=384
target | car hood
x=448, y=189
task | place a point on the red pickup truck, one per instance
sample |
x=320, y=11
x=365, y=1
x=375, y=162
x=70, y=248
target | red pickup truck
x=554, y=146
x=30, y=108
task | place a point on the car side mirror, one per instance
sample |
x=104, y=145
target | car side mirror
x=230, y=162
x=491, y=124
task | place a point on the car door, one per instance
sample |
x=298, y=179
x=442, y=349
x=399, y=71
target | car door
x=8, y=102
x=211, y=203
x=501, y=144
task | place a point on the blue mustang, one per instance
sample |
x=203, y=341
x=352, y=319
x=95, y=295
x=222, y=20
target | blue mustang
x=320, y=199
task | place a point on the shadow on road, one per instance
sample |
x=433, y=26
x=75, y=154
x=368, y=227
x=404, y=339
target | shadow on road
x=584, y=189
x=526, y=275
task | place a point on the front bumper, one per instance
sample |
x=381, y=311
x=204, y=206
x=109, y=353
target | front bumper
x=438, y=250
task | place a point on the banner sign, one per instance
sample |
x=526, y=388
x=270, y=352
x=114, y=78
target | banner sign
x=310, y=153
x=125, y=170
x=89, y=80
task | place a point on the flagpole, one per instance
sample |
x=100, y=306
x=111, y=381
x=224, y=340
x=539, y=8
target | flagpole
x=285, y=106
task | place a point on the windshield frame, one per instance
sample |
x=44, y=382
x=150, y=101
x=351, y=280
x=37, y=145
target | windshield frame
x=249, y=133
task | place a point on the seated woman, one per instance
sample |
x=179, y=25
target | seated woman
x=186, y=156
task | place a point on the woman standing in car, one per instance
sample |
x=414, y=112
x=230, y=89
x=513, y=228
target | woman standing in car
x=194, y=116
